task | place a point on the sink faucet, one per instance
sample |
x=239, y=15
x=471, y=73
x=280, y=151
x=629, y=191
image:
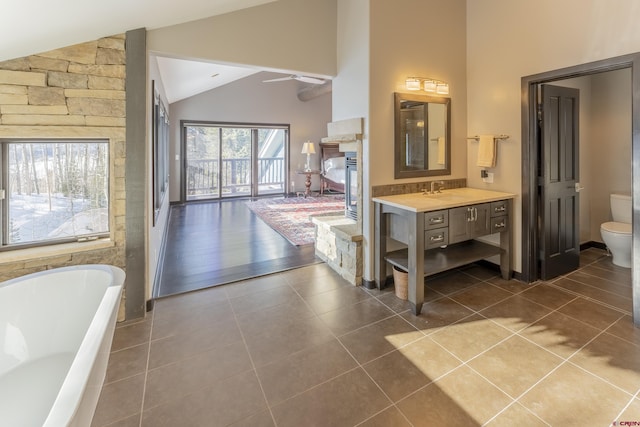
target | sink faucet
x=439, y=184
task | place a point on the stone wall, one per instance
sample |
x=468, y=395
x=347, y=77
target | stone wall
x=73, y=92
x=338, y=242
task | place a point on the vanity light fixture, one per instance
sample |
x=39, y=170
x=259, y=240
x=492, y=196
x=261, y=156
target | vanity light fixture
x=412, y=83
x=427, y=84
x=442, y=88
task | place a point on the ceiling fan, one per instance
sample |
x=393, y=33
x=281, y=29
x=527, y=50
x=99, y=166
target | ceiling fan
x=300, y=78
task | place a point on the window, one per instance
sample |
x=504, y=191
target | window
x=54, y=191
x=231, y=160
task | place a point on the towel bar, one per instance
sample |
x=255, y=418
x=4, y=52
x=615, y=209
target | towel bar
x=477, y=137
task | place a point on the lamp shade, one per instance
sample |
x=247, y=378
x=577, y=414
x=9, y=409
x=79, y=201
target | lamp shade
x=308, y=148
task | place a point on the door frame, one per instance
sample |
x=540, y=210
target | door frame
x=530, y=247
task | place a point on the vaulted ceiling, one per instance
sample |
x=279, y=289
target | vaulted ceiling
x=33, y=26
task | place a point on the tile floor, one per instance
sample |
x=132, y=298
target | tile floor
x=304, y=348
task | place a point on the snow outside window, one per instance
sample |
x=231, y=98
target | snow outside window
x=54, y=191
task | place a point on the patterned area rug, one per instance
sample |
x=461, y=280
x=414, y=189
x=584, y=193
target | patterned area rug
x=290, y=217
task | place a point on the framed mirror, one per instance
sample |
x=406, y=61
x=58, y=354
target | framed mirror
x=422, y=136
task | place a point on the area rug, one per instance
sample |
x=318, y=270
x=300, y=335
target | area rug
x=291, y=216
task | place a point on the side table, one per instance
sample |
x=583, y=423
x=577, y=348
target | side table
x=307, y=183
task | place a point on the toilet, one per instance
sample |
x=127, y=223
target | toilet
x=617, y=233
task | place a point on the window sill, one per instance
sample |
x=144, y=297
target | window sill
x=53, y=250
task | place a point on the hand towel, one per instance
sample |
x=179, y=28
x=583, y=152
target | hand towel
x=441, y=150
x=487, y=151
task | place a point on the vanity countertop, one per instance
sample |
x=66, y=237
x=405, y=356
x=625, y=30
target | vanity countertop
x=452, y=198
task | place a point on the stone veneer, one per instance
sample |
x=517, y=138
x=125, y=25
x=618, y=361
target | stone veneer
x=73, y=92
x=338, y=239
x=339, y=244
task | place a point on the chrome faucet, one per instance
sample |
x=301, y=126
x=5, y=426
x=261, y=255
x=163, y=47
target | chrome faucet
x=439, y=184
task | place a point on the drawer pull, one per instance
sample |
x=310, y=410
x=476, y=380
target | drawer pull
x=501, y=225
x=500, y=209
x=438, y=220
x=439, y=238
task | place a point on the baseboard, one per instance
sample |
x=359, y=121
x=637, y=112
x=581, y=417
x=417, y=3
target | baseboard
x=592, y=244
x=159, y=266
x=369, y=284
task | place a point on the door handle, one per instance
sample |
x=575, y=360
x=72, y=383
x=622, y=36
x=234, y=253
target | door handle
x=578, y=187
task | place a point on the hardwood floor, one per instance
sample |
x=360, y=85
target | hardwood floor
x=214, y=243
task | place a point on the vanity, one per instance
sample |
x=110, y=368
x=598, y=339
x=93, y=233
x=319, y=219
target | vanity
x=439, y=231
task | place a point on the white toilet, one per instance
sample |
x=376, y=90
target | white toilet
x=617, y=233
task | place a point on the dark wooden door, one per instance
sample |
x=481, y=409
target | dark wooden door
x=559, y=186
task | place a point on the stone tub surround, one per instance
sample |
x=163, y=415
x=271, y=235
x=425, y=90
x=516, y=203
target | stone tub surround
x=339, y=244
x=74, y=92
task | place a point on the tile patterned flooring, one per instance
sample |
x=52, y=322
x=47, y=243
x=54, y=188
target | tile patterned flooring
x=304, y=348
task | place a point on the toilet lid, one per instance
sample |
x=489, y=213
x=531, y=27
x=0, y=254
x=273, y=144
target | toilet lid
x=617, y=227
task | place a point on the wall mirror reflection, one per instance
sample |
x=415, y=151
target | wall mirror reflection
x=422, y=136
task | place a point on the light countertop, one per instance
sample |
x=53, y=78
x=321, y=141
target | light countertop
x=418, y=202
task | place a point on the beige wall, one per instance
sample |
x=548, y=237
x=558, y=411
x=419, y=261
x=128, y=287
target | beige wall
x=294, y=35
x=609, y=168
x=605, y=145
x=507, y=40
x=249, y=100
x=411, y=38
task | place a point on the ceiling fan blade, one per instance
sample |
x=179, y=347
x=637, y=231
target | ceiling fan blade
x=307, y=79
x=281, y=79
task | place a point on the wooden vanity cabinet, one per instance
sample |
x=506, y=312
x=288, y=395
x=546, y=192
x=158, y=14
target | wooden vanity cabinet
x=439, y=240
x=469, y=222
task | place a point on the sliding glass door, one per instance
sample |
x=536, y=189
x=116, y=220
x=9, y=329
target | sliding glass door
x=271, y=145
x=232, y=160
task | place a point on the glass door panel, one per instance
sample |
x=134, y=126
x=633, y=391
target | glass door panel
x=202, y=152
x=236, y=162
x=270, y=165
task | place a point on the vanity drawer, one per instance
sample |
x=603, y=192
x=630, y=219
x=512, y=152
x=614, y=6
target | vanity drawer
x=436, y=219
x=436, y=238
x=499, y=223
x=500, y=208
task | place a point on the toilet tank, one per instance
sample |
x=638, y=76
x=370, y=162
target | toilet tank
x=621, y=208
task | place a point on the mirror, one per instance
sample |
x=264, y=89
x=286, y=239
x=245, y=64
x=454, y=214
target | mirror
x=422, y=135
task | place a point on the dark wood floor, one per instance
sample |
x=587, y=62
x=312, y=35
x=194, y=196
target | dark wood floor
x=213, y=243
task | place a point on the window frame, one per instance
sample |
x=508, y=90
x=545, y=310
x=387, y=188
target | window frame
x=5, y=182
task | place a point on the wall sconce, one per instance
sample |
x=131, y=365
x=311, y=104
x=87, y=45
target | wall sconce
x=429, y=85
x=308, y=148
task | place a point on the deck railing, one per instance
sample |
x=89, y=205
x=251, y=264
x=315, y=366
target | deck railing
x=202, y=175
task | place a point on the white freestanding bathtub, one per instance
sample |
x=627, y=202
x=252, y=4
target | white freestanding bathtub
x=56, y=328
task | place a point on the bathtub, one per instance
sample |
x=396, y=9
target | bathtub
x=56, y=328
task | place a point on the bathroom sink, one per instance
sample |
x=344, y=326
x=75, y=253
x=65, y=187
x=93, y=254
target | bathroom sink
x=444, y=197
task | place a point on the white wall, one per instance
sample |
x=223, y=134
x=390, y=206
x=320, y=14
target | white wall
x=156, y=231
x=294, y=35
x=507, y=40
x=249, y=100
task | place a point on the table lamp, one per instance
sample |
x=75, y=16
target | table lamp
x=308, y=148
